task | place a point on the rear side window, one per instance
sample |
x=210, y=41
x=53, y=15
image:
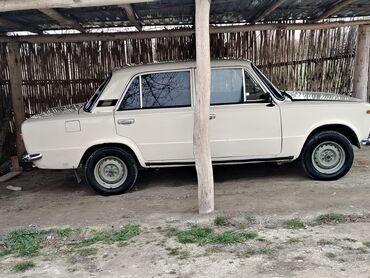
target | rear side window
x=170, y=89
x=158, y=90
x=227, y=86
x=132, y=96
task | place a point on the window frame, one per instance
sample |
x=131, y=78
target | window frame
x=139, y=75
x=252, y=76
x=255, y=78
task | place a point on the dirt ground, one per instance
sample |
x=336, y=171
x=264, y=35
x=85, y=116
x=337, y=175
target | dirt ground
x=269, y=194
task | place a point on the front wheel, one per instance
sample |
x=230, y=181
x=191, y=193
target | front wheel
x=111, y=171
x=327, y=155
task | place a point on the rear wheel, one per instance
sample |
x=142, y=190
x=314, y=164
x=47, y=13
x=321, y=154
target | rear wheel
x=111, y=171
x=327, y=155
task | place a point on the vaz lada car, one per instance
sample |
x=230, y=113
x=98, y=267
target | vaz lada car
x=142, y=116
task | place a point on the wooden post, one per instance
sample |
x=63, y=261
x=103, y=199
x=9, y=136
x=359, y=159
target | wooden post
x=202, y=150
x=361, y=74
x=15, y=76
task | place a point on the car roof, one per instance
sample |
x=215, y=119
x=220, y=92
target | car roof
x=163, y=66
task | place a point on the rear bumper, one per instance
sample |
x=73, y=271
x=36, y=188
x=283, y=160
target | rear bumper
x=366, y=142
x=31, y=157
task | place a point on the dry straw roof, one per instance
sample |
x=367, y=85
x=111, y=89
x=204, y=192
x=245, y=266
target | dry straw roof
x=139, y=13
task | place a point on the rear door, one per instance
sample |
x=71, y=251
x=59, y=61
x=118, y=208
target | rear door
x=157, y=115
x=244, y=124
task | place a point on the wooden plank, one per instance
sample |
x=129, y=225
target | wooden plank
x=18, y=27
x=336, y=7
x=13, y=59
x=9, y=176
x=177, y=33
x=62, y=20
x=132, y=16
x=202, y=149
x=361, y=76
x=18, y=5
x=268, y=11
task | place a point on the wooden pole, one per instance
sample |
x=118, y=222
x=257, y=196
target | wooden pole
x=202, y=150
x=15, y=76
x=361, y=73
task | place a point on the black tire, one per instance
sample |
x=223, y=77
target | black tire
x=118, y=156
x=340, y=142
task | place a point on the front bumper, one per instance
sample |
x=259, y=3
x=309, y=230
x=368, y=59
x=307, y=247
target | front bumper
x=31, y=157
x=366, y=142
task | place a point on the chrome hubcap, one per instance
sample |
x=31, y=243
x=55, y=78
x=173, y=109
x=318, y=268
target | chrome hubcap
x=328, y=157
x=110, y=172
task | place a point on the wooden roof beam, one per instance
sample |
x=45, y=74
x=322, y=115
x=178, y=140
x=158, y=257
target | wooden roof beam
x=132, y=16
x=57, y=38
x=18, y=5
x=268, y=11
x=18, y=27
x=336, y=7
x=62, y=20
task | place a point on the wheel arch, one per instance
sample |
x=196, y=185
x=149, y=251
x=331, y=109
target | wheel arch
x=343, y=129
x=89, y=151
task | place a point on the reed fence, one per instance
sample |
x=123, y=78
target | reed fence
x=56, y=74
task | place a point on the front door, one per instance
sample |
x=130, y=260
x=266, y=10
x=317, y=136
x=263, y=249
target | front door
x=243, y=125
x=157, y=115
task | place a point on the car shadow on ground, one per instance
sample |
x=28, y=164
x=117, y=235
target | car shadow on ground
x=182, y=176
x=62, y=182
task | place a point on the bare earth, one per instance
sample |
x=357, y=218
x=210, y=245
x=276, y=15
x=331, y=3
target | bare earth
x=256, y=198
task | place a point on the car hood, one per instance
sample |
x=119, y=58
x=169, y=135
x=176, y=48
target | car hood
x=59, y=111
x=319, y=96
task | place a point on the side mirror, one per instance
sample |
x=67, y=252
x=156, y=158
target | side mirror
x=270, y=100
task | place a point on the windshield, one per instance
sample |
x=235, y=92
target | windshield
x=268, y=83
x=90, y=104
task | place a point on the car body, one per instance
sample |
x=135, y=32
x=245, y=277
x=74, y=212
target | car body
x=148, y=112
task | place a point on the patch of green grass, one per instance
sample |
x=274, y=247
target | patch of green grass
x=323, y=242
x=204, y=235
x=5, y=252
x=349, y=239
x=330, y=255
x=221, y=221
x=250, y=219
x=177, y=252
x=330, y=218
x=85, y=252
x=293, y=240
x=66, y=232
x=100, y=237
x=23, y=266
x=261, y=251
x=126, y=233
x=23, y=242
x=361, y=250
x=295, y=223
x=367, y=244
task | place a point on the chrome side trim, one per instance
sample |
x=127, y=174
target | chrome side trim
x=31, y=157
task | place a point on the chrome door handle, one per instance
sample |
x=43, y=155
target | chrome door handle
x=212, y=116
x=126, y=121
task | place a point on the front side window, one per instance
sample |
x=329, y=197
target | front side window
x=227, y=86
x=158, y=90
x=253, y=91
